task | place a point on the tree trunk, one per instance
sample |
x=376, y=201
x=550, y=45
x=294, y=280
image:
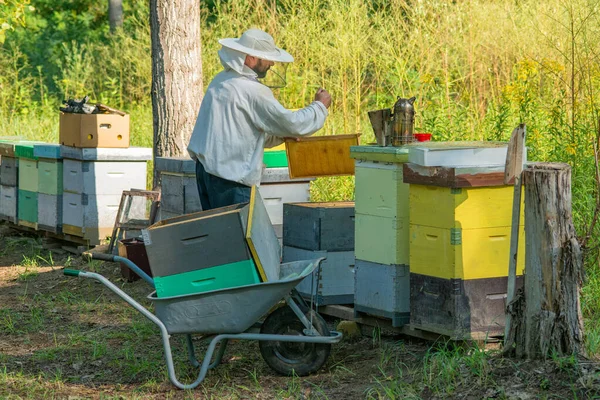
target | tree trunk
x=176, y=74
x=115, y=14
x=546, y=312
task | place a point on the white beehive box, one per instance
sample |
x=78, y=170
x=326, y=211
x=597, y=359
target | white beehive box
x=103, y=177
x=50, y=209
x=465, y=154
x=276, y=194
x=8, y=203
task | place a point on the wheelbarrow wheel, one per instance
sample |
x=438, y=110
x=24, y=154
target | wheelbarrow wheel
x=289, y=358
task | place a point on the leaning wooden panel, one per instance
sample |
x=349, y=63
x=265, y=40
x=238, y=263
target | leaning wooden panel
x=321, y=156
x=262, y=239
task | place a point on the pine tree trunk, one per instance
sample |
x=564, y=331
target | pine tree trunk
x=546, y=311
x=115, y=14
x=176, y=74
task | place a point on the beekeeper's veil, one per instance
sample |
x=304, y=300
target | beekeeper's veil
x=260, y=44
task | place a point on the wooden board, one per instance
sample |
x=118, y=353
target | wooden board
x=454, y=177
x=321, y=156
x=262, y=239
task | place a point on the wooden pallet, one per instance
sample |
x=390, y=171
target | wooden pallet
x=370, y=325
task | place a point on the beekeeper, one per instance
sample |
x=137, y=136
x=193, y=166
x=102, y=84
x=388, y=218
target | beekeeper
x=239, y=117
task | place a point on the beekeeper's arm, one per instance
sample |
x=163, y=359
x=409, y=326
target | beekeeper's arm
x=277, y=122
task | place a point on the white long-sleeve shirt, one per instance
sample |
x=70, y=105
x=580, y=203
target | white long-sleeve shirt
x=239, y=117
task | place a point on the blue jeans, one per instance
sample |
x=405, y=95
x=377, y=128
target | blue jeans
x=217, y=192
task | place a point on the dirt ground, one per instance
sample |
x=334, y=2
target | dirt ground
x=64, y=337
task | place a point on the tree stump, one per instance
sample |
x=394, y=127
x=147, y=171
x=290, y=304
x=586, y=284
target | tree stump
x=546, y=311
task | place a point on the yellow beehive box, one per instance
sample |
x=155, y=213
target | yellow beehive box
x=463, y=253
x=466, y=208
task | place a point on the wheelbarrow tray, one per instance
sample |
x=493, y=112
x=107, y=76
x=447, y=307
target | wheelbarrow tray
x=232, y=310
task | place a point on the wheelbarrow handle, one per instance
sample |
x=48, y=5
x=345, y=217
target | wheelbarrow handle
x=130, y=264
x=99, y=256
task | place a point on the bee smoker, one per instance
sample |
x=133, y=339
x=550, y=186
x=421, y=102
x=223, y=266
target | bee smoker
x=394, y=129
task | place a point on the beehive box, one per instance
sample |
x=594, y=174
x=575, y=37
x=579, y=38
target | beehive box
x=382, y=290
x=334, y=282
x=8, y=171
x=28, y=167
x=458, y=308
x=50, y=176
x=462, y=233
x=381, y=240
x=50, y=212
x=50, y=168
x=102, y=177
x=178, y=185
x=197, y=241
x=179, y=193
x=236, y=274
x=465, y=208
x=130, y=154
x=319, y=226
x=380, y=154
x=321, y=156
x=275, y=195
x=8, y=203
x=380, y=189
x=91, y=216
x=458, y=153
x=27, y=209
x=209, y=250
x=7, y=148
x=463, y=253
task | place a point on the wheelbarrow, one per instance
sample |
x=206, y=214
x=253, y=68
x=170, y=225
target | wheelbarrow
x=293, y=339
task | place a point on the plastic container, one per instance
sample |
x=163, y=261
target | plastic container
x=133, y=249
x=423, y=137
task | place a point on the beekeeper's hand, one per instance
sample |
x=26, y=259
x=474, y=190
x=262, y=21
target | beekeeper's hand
x=323, y=96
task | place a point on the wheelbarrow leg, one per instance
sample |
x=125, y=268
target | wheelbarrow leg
x=218, y=357
x=163, y=332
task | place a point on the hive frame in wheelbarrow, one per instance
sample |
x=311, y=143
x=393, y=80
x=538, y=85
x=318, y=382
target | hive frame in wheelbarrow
x=284, y=287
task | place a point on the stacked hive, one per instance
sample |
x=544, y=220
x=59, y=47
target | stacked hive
x=460, y=223
x=314, y=230
x=210, y=250
x=50, y=187
x=28, y=181
x=381, y=226
x=9, y=178
x=93, y=182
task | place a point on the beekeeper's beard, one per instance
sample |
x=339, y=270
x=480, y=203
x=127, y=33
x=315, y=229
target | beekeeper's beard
x=261, y=68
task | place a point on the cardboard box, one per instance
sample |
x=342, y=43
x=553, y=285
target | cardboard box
x=94, y=130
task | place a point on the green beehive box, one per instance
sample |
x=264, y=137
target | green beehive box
x=380, y=189
x=28, y=175
x=50, y=176
x=381, y=240
x=275, y=159
x=27, y=207
x=381, y=154
x=25, y=150
x=236, y=274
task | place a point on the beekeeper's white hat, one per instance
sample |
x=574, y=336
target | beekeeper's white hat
x=257, y=43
